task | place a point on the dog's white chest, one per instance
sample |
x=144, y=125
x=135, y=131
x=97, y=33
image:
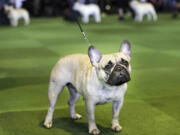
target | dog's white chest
x=107, y=95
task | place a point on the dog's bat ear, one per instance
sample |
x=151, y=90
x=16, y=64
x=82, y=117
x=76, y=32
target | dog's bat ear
x=126, y=48
x=94, y=55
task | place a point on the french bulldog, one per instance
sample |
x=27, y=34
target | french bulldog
x=15, y=15
x=98, y=78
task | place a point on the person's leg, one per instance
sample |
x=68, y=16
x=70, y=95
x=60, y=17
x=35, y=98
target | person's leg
x=121, y=6
x=69, y=13
x=3, y=18
x=85, y=18
x=174, y=8
x=121, y=14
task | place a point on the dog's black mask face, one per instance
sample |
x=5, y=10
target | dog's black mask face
x=113, y=69
x=118, y=76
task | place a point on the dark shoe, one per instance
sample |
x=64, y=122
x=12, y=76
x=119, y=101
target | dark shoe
x=174, y=16
x=121, y=18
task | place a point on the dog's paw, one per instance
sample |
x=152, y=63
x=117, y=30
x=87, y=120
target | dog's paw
x=94, y=131
x=76, y=116
x=48, y=125
x=116, y=128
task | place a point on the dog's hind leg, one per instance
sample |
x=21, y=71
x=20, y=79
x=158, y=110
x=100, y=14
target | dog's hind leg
x=85, y=19
x=26, y=21
x=138, y=18
x=97, y=17
x=55, y=88
x=154, y=15
x=74, y=96
x=149, y=16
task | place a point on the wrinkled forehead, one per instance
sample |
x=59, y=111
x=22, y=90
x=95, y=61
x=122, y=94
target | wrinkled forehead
x=120, y=56
x=106, y=58
x=114, y=58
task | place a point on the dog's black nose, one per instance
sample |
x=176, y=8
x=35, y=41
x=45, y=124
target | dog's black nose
x=118, y=68
x=121, y=76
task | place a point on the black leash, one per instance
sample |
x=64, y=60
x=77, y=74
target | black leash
x=83, y=33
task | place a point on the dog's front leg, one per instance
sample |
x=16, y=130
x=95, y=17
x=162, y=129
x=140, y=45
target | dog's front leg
x=90, y=108
x=85, y=19
x=117, y=105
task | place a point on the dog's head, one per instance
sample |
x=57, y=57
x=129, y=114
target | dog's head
x=8, y=8
x=77, y=5
x=113, y=69
x=133, y=3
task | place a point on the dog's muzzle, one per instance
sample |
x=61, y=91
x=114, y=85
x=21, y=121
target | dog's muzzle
x=119, y=76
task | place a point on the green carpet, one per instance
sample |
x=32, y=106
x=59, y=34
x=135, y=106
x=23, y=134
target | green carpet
x=27, y=55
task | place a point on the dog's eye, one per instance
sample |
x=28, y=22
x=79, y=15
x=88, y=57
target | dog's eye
x=109, y=65
x=124, y=62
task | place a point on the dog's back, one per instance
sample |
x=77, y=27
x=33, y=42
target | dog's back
x=93, y=8
x=76, y=63
x=144, y=6
x=88, y=9
x=21, y=13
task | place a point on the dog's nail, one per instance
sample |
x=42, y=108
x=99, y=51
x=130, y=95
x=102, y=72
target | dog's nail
x=76, y=116
x=49, y=125
x=117, y=128
x=95, y=132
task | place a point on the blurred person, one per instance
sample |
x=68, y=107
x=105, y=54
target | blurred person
x=69, y=13
x=105, y=5
x=36, y=7
x=91, y=1
x=173, y=4
x=18, y=3
x=3, y=17
x=173, y=7
x=88, y=1
x=123, y=6
x=158, y=4
x=82, y=1
x=143, y=0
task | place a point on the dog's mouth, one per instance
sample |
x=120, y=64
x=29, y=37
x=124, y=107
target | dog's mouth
x=118, y=81
x=119, y=77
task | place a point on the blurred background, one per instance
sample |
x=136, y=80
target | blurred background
x=63, y=8
x=28, y=52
